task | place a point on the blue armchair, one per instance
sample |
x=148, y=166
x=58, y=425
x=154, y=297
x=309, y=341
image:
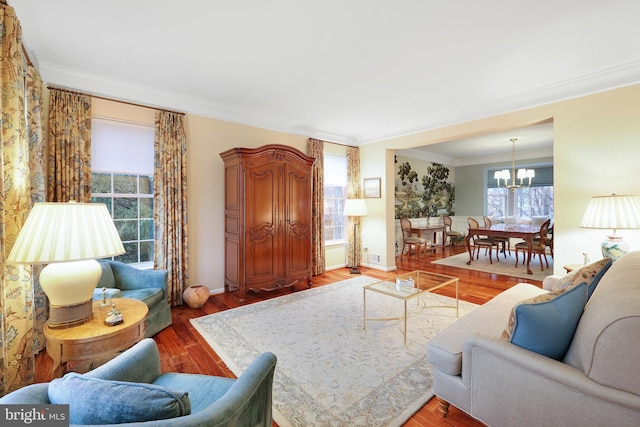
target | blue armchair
x=108, y=396
x=148, y=286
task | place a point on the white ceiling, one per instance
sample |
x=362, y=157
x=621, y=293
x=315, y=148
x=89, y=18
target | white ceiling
x=347, y=71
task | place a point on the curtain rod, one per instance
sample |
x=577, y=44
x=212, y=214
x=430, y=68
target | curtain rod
x=111, y=99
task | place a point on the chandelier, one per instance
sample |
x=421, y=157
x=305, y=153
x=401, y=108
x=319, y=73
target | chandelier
x=509, y=178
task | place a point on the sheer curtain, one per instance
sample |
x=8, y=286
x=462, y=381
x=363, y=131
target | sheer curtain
x=69, y=175
x=316, y=150
x=170, y=201
x=354, y=192
x=16, y=287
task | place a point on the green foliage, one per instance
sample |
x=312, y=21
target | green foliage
x=407, y=176
x=438, y=193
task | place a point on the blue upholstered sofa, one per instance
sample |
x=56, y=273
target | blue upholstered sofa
x=131, y=388
x=150, y=286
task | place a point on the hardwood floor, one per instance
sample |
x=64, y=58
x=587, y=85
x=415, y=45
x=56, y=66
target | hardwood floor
x=183, y=350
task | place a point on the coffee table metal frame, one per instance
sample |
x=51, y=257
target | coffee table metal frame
x=423, y=282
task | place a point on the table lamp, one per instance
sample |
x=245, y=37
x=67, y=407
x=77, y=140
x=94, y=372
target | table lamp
x=614, y=212
x=355, y=208
x=69, y=237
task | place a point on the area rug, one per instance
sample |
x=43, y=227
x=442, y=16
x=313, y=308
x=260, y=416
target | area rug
x=504, y=266
x=330, y=371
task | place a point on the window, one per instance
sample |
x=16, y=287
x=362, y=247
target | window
x=536, y=200
x=122, y=179
x=335, y=193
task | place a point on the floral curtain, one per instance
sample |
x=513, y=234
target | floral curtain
x=170, y=201
x=16, y=291
x=69, y=174
x=37, y=167
x=316, y=150
x=354, y=192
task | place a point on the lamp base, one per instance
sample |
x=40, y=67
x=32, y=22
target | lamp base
x=354, y=270
x=614, y=247
x=67, y=316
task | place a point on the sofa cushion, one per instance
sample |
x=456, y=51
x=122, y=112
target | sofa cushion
x=546, y=323
x=445, y=349
x=203, y=389
x=589, y=274
x=150, y=296
x=98, y=401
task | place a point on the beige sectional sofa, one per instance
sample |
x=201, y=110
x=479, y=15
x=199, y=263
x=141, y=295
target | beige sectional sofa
x=595, y=382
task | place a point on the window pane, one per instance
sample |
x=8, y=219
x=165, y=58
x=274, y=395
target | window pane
x=146, y=229
x=146, y=251
x=146, y=184
x=101, y=182
x=125, y=207
x=128, y=230
x=146, y=207
x=125, y=184
x=131, y=254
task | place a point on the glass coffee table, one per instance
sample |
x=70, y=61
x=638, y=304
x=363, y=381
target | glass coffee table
x=409, y=286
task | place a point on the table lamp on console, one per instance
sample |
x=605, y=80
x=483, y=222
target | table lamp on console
x=68, y=237
x=613, y=212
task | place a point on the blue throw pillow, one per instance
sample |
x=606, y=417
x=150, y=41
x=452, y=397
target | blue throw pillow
x=98, y=401
x=546, y=323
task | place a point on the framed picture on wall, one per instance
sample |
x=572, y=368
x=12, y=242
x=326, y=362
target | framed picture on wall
x=371, y=188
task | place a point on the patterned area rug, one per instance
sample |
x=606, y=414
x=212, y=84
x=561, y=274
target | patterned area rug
x=504, y=266
x=331, y=372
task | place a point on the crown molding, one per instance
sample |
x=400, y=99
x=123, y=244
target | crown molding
x=612, y=78
x=608, y=79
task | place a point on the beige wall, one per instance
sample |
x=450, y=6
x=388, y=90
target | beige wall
x=207, y=138
x=596, y=147
x=596, y=152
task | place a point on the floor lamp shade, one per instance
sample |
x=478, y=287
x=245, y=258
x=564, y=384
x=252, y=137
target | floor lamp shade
x=613, y=212
x=68, y=237
x=355, y=208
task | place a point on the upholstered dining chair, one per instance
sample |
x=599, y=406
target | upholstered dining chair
x=482, y=242
x=539, y=246
x=409, y=241
x=504, y=241
x=453, y=236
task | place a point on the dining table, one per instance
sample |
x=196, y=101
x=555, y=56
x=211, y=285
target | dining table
x=526, y=232
x=432, y=231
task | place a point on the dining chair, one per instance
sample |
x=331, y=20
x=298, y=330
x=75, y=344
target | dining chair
x=504, y=241
x=453, y=236
x=482, y=242
x=410, y=241
x=539, y=247
x=548, y=241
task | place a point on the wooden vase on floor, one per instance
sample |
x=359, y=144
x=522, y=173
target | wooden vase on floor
x=195, y=296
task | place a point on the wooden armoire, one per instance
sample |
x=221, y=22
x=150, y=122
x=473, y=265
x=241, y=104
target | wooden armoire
x=267, y=213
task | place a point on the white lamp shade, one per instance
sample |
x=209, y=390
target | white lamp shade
x=612, y=212
x=355, y=207
x=61, y=232
x=522, y=173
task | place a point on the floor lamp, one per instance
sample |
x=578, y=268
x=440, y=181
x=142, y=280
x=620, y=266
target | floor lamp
x=355, y=208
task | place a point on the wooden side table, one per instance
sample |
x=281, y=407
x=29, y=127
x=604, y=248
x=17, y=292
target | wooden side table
x=94, y=339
